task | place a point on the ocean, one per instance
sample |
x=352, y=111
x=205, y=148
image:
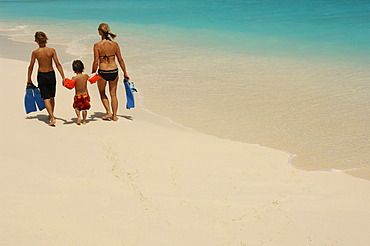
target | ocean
x=290, y=75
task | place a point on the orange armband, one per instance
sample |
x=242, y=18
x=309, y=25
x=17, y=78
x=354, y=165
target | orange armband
x=93, y=78
x=69, y=83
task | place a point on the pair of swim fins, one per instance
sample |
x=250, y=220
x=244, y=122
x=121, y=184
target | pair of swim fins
x=33, y=98
x=130, y=101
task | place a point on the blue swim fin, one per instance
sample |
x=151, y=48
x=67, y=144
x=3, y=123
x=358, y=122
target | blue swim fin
x=39, y=101
x=29, y=101
x=129, y=95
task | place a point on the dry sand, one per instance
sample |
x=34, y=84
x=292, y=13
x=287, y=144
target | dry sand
x=144, y=181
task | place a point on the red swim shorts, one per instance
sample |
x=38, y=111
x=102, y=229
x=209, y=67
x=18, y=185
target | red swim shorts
x=81, y=102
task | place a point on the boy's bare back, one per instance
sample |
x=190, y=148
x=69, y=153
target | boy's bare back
x=81, y=83
x=44, y=56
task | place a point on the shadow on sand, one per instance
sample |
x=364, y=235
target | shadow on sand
x=94, y=117
x=99, y=115
x=44, y=118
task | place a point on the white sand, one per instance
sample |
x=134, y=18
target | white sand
x=148, y=182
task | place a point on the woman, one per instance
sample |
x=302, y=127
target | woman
x=105, y=53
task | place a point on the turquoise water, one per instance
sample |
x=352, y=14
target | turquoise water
x=292, y=75
x=324, y=28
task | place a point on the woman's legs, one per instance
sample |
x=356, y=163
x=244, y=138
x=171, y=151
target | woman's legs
x=113, y=95
x=104, y=99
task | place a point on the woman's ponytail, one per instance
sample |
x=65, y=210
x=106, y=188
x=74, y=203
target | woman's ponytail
x=112, y=35
x=104, y=27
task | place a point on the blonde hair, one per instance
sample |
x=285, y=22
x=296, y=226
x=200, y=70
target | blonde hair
x=104, y=27
x=41, y=38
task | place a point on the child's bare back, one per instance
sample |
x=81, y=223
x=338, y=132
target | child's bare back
x=81, y=83
x=81, y=98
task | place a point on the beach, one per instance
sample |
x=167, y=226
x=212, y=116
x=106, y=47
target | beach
x=247, y=71
x=250, y=126
x=147, y=181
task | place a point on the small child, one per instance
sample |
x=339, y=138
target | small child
x=82, y=98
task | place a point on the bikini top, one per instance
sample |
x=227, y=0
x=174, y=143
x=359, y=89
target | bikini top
x=106, y=57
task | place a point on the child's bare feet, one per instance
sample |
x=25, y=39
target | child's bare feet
x=107, y=116
x=84, y=122
x=114, y=118
x=78, y=121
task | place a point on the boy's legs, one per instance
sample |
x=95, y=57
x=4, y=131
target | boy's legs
x=47, y=86
x=52, y=102
x=78, y=113
x=84, y=116
x=49, y=105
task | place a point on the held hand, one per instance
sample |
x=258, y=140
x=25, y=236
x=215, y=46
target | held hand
x=69, y=83
x=29, y=82
x=64, y=80
x=126, y=76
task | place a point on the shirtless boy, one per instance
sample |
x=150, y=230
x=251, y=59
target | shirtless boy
x=46, y=75
x=82, y=99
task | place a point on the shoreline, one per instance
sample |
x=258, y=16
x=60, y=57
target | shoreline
x=18, y=50
x=66, y=58
x=147, y=181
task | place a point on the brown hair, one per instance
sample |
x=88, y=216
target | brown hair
x=41, y=38
x=105, y=29
x=78, y=66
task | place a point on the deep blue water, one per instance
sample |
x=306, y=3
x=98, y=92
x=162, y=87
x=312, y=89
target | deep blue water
x=337, y=28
